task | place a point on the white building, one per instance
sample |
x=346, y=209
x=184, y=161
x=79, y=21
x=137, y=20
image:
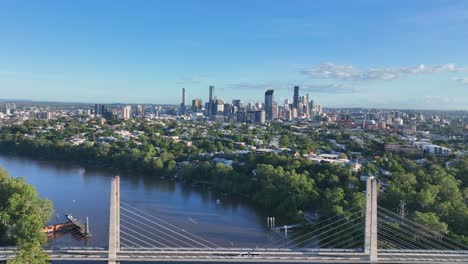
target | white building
x=126, y=112
x=437, y=150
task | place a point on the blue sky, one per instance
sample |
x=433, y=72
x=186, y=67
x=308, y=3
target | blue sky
x=384, y=54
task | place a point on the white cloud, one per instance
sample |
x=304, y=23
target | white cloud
x=461, y=80
x=346, y=72
x=313, y=88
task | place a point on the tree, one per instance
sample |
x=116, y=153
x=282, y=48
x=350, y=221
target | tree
x=30, y=253
x=431, y=221
x=22, y=217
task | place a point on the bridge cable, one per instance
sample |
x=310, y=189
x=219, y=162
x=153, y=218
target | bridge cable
x=424, y=235
x=66, y=238
x=357, y=242
x=391, y=239
x=149, y=237
x=132, y=230
x=396, y=241
x=177, y=233
x=319, y=223
x=319, y=234
x=349, y=244
x=324, y=232
x=161, y=220
x=334, y=234
x=424, y=242
x=314, y=231
x=130, y=235
x=157, y=230
x=462, y=246
x=131, y=242
x=337, y=238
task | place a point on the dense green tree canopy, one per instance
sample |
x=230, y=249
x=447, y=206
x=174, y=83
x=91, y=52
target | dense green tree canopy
x=22, y=217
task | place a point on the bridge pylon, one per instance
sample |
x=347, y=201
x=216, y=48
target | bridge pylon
x=370, y=241
x=114, y=221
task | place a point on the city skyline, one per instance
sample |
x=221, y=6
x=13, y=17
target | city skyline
x=394, y=55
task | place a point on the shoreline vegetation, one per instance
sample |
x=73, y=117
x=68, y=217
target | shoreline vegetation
x=22, y=216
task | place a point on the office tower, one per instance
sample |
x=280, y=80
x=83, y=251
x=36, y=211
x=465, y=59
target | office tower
x=275, y=114
x=311, y=106
x=212, y=91
x=269, y=105
x=207, y=109
x=238, y=103
x=296, y=97
x=139, y=111
x=196, y=104
x=260, y=116
x=305, y=102
x=44, y=115
x=299, y=109
x=228, y=109
x=10, y=108
x=219, y=107
x=99, y=109
x=183, y=96
x=212, y=104
x=250, y=117
x=241, y=116
x=182, y=105
x=126, y=112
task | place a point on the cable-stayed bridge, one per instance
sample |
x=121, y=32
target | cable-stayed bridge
x=373, y=235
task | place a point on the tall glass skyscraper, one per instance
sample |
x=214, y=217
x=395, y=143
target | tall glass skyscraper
x=269, y=105
x=296, y=97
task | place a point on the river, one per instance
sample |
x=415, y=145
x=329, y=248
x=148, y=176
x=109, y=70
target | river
x=84, y=192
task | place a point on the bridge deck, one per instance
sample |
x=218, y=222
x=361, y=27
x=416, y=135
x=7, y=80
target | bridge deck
x=256, y=255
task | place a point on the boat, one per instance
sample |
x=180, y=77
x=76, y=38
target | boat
x=56, y=228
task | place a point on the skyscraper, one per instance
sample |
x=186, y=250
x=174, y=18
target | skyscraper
x=126, y=112
x=269, y=105
x=183, y=96
x=296, y=97
x=211, y=102
x=98, y=109
x=182, y=105
x=212, y=91
x=196, y=104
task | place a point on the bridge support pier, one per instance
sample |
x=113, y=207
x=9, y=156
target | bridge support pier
x=114, y=221
x=370, y=242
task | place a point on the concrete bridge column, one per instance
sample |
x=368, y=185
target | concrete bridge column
x=114, y=221
x=370, y=242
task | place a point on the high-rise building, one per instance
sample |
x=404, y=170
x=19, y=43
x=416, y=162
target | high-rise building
x=219, y=107
x=212, y=102
x=196, y=104
x=238, y=103
x=127, y=112
x=275, y=111
x=296, y=97
x=312, y=106
x=183, y=96
x=99, y=109
x=269, y=105
x=260, y=116
x=228, y=109
x=305, y=103
x=241, y=116
x=212, y=93
x=182, y=105
x=139, y=111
